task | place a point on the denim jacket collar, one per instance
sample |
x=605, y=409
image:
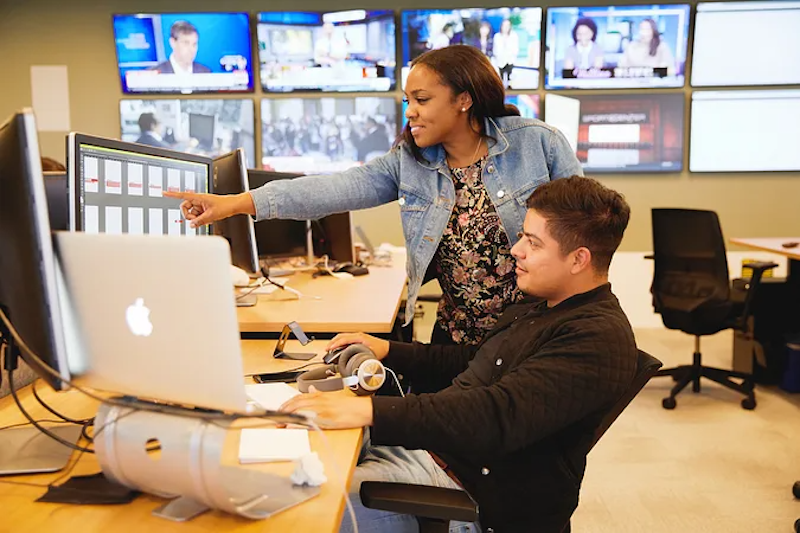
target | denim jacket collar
x=498, y=143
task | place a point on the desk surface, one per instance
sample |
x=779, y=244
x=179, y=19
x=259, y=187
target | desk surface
x=771, y=244
x=330, y=305
x=21, y=514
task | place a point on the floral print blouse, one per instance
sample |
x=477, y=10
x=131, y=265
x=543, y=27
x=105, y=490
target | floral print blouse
x=473, y=263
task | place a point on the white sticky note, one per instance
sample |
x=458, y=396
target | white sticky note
x=259, y=445
x=270, y=396
x=50, y=97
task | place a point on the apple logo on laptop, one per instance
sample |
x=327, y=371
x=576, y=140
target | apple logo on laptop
x=138, y=318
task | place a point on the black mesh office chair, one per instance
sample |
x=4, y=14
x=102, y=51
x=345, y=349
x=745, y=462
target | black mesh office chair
x=691, y=291
x=435, y=507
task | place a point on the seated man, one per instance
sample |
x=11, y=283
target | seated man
x=512, y=419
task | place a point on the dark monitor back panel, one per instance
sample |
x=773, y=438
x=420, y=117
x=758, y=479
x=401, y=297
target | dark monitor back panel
x=55, y=188
x=287, y=238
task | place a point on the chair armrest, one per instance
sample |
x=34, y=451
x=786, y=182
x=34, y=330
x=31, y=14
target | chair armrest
x=758, y=267
x=761, y=266
x=419, y=500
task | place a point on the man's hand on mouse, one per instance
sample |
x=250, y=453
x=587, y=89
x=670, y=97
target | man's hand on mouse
x=332, y=411
x=379, y=347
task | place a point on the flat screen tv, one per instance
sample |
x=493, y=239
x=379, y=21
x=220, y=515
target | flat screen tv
x=184, y=52
x=342, y=51
x=616, y=47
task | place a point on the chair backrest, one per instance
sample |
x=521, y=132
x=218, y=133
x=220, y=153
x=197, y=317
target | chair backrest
x=691, y=266
x=646, y=368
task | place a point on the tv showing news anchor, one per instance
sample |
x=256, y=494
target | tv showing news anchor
x=341, y=51
x=616, y=47
x=184, y=52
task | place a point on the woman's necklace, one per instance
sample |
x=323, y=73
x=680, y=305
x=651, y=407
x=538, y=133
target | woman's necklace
x=472, y=159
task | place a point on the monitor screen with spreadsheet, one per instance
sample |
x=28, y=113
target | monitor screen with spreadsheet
x=117, y=187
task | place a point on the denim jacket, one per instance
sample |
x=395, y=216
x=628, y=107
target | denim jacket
x=523, y=154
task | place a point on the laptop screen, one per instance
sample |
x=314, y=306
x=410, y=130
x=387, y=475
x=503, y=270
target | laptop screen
x=117, y=187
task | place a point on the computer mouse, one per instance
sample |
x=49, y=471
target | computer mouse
x=790, y=244
x=239, y=277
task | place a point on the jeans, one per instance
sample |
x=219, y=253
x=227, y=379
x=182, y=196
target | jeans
x=395, y=463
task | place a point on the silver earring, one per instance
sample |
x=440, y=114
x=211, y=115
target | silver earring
x=463, y=109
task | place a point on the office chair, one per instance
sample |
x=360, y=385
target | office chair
x=435, y=507
x=691, y=291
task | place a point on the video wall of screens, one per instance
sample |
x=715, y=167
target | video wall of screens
x=184, y=52
x=594, y=47
x=509, y=36
x=325, y=135
x=351, y=51
x=722, y=140
x=208, y=127
x=621, y=133
x=746, y=43
x=528, y=105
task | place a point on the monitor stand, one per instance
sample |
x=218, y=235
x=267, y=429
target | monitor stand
x=28, y=451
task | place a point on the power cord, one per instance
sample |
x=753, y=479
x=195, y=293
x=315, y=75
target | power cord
x=65, y=418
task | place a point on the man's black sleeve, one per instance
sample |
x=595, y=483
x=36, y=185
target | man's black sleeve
x=583, y=369
x=428, y=367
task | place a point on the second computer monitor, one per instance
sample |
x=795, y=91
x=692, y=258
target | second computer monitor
x=230, y=177
x=117, y=187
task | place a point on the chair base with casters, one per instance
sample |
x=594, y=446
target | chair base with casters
x=796, y=492
x=686, y=374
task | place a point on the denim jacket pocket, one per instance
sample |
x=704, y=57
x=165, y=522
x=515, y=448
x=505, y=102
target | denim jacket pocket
x=411, y=201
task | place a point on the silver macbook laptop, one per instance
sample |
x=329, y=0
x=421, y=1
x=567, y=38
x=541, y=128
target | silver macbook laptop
x=152, y=316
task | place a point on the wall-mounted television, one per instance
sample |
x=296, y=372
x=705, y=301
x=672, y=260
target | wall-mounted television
x=351, y=51
x=325, y=135
x=528, y=105
x=745, y=131
x=209, y=127
x=509, y=36
x=632, y=133
x=184, y=52
x=616, y=47
x=746, y=43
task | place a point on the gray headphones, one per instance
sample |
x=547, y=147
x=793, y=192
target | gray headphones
x=356, y=368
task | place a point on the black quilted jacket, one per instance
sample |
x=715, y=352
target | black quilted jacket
x=514, y=417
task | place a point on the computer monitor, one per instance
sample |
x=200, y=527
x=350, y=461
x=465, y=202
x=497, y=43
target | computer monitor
x=276, y=238
x=116, y=187
x=55, y=188
x=746, y=43
x=28, y=285
x=201, y=127
x=630, y=133
x=342, y=51
x=230, y=177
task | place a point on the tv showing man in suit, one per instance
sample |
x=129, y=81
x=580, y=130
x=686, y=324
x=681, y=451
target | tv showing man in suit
x=183, y=38
x=184, y=52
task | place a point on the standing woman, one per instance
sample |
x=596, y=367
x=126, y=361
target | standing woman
x=461, y=173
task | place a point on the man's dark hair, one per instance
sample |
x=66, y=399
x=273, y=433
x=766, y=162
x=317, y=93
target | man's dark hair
x=181, y=27
x=51, y=165
x=589, y=23
x=583, y=212
x=464, y=68
x=147, y=122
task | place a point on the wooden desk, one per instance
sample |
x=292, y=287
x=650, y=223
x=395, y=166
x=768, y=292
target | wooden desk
x=330, y=305
x=775, y=245
x=19, y=513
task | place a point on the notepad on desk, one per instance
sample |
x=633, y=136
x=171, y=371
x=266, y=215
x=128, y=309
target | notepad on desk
x=270, y=396
x=266, y=445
